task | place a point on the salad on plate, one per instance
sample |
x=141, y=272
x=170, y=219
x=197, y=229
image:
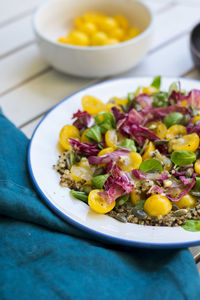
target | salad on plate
x=136, y=158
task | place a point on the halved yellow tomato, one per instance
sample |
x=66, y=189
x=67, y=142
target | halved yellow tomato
x=98, y=204
x=189, y=142
x=130, y=162
x=68, y=131
x=92, y=104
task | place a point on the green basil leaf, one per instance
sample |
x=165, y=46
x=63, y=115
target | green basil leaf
x=99, y=180
x=173, y=87
x=172, y=119
x=106, y=121
x=183, y=158
x=151, y=164
x=160, y=99
x=130, y=144
x=79, y=195
x=156, y=82
x=122, y=200
x=94, y=133
x=140, y=204
x=192, y=225
x=196, y=188
x=130, y=97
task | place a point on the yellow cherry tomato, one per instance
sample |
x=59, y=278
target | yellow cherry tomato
x=196, y=118
x=89, y=28
x=117, y=33
x=92, y=104
x=136, y=197
x=158, y=128
x=149, y=90
x=148, y=151
x=122, y=21
x=92, y=17
x=197, y=166
x=133, y=32
x=130, y=162
x=84, y=138
x=174, y=131
x=68, y=131
x=99, y=38
x=118, y=101
x=187, y=201
x=105, y=151
x=82, y=171
x=109, y=106
x=78, y=22
x=78, y=38
x=98, y=204
x=107, y=24
x=157, y=205
x=189, y=142
x=113, y=138
x=111, y=41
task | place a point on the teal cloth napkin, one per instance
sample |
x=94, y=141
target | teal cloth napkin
x=42, y=257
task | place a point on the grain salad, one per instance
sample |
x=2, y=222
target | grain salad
x=136, y=158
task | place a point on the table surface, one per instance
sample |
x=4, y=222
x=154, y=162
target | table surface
x=29, y=87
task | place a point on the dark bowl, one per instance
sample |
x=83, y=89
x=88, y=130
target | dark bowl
x=195, y=45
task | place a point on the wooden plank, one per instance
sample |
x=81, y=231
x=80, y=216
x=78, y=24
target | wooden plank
x=168, y=61
x=45, y=91
x=15, y=35
x=198, y=267
x=11, y=10
x=16, y=68
x=29, y=128
x=195, y=253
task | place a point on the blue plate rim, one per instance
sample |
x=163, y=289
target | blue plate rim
x=102, y=236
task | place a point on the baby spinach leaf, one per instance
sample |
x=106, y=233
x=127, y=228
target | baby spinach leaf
x=172, y=119
x=99, y=180
x=173, y=87
x=130, y=144
x=150, y=164
x=160, y=99
x=94, y=133
x=140, y=204
x=183, y=158
x=79, y=195
x=192, y=225
x=122, y=200
x=130, y=97
x=105, y=121
x=156, y=82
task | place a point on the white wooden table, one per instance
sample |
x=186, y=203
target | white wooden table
x=29, y=87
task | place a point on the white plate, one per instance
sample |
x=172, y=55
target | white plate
x=43, y=154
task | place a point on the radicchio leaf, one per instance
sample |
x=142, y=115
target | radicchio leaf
x=139, y=174
x=144, y=100
x=104, y=159
x=83, y=119
x=189, y=186
x=87, y=149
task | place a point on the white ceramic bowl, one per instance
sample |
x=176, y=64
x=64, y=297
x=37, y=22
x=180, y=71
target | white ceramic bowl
x=55, y=17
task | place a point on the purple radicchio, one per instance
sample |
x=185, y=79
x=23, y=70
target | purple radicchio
x=141, y=175
x=188, y=183
x=116, y=185
x=193, y=97
x=86, y=149
x=104, y=159
x=144, y=100
x=83, y=119
x=140, y=134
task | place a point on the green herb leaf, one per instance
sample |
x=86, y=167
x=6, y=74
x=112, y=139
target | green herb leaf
x=183, y=158
x=192, y=225
x=173, y=87
x=79, y=195
x=160, y=99
x=130, y=144
x=172, y=119
x=94, y=133
x=140, y=204
x=130, y=97
x=156, y=82
x=99, y=180
x=151, y=164
x=196, y=188
x=122, y=200
x=106, y=121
